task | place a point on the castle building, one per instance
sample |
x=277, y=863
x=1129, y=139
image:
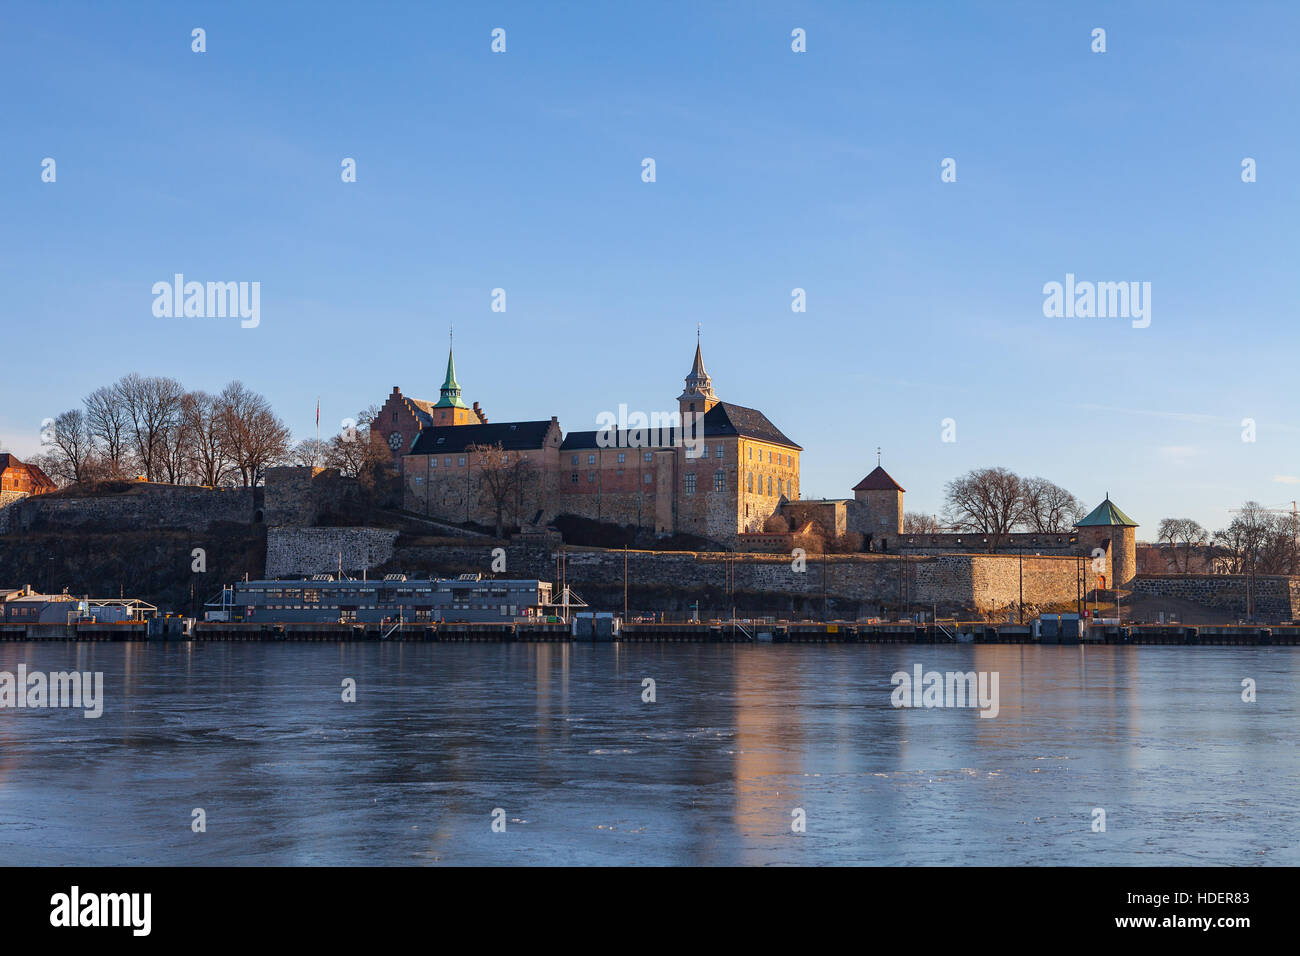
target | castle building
x=711, y=469
x=1114, y=533
x=878, y=507
x=401, y=417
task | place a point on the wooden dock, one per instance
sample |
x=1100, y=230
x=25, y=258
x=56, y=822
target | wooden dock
x=702, y=633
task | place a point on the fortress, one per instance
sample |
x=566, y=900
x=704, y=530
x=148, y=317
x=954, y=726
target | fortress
x=715, y=475
x=719, y=472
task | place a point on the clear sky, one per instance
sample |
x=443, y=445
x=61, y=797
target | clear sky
x=775, y=170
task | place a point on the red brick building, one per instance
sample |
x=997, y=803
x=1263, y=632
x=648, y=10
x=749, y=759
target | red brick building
x=400, y=419
x=18, y=477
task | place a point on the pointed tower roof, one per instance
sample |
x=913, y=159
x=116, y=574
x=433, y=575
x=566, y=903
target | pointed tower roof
x=449, y=394
x=1106, y=515
x=698, y=382
x=697, y=367
x=878, y=480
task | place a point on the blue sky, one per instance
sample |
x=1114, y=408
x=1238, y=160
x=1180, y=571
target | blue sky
x=775, y=170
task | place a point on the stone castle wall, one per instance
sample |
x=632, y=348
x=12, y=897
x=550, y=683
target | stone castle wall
x=1277, y=597
x=143, y=505
x=8, y=499
x=874, y=583
x=299, y=495
x=302, y=551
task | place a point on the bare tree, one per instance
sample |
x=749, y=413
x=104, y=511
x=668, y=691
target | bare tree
x=359, y=452
x=1257, y=541
x=153, y=405
x=204, y=444
x=177, y=445
x=914, y=522
x=311, y=453
x=71, y=448
x=49, y=464
x=110, y=427
x=253, y=437
x=504, y=477
x=1190, y=534
x=989, y=501
x=1048, y=508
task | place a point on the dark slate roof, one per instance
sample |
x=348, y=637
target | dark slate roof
x=1106, y=515
x=618, y=438
x=512, y=436
x=878, y=480
x=727, y=419
x=722, y=420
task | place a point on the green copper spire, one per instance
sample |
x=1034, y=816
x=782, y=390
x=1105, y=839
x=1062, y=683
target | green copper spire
x=449, y=394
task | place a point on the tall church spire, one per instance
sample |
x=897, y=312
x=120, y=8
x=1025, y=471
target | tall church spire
x=698, y=382
x=449, y=394
x=698, y=396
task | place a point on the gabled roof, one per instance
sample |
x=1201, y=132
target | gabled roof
x=721, y=421
x=878, y=480
x=512, y=436
x=1106, y=514
x=34, y=472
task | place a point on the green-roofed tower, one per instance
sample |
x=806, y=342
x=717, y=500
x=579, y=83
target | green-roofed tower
x=1108, y=528
x=449, y=409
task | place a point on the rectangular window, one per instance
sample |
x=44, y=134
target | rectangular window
x=573, y=460
x=705, y=452
x=591, y=477
x=591, y=459
x=648, y=478
x=649, y=456
x=719, y=453
x=751, y=452
x=690, y=484
x=433, y=463
x=446, y=462
x=574, y=477
x=461, y=461
x=719, y=481
x=622, y=457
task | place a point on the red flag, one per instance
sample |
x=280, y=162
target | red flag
x=318, y=413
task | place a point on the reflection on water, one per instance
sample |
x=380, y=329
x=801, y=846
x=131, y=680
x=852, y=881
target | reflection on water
x=559, y=738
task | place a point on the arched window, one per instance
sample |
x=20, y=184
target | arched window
x=750, y=482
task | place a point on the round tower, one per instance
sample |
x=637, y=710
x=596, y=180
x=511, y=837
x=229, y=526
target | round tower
x=1115, y=533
